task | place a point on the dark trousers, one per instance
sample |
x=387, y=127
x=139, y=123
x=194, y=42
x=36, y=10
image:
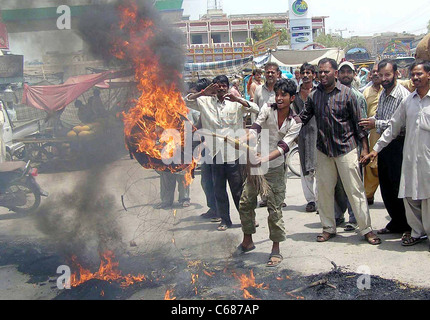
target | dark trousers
x=389, y=172
x=208, y=185
x=221, y=173
x=341, y=203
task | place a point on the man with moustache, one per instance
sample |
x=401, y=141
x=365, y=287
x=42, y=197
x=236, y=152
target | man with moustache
x=390, y=159
x=307, y=138
x=265, y=93
x=371, y=94
x=346, y=77
x=337, y=114
x=414, y=113
x=222, y=113
x=297, y=77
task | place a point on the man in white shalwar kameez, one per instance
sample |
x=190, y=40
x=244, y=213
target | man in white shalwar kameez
x=414, y=113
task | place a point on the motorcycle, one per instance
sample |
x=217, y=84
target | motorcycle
x=19, y=190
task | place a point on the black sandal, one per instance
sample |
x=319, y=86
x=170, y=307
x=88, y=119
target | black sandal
x=410, y=241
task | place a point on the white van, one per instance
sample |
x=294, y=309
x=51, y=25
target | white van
x=12, y=132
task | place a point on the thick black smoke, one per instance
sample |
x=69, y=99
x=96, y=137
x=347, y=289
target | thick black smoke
x=100, y=29
x=81, y=223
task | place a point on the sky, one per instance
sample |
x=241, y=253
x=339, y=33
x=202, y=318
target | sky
x=359, y=17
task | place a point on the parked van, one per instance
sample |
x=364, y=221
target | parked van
x=12, y=132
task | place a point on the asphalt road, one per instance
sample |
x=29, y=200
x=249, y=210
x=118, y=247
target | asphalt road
x=112, y=208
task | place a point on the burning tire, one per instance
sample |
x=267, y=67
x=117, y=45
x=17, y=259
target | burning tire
x=293, y=161
x=146, y=160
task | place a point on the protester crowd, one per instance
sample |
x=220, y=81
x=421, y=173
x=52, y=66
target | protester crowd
x=356, y=129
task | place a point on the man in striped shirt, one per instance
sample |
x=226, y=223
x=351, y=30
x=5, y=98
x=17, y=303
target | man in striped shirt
x=337, y=114
x=390, y=159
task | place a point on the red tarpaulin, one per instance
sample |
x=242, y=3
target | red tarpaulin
x=56, y=97
x=4, y=39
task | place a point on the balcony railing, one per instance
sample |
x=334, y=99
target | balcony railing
x=240, y=27
x=198, y=28
x=219, y=28
x=217, y=45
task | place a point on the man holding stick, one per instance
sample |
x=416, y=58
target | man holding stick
x=283, y=127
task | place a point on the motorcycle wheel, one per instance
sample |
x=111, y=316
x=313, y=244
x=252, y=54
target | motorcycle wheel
x=31, y=193
x=39, y=154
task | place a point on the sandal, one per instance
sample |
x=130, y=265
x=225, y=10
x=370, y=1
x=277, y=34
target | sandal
x=274, y=260
x=384, y=231
x=323, y=237
x=311, y=207
x=222, y=227
x=372, y=238
x=406, y=235
x=216, y=219
x=410, y=241
x=350, y=226
x=241, y=250
x=186, y=204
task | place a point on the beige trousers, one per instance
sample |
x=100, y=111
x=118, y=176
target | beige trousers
x=327, y=171
x=418, y=216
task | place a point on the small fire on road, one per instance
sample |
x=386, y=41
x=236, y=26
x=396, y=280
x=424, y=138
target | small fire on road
x=249, y=282
x=108, y=271
x=168, y=295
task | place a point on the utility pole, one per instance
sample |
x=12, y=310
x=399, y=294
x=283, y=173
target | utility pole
x=340, y=30
x=214, y=4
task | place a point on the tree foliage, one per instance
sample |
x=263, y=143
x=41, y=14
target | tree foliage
x=331, y=41
x=268, y=29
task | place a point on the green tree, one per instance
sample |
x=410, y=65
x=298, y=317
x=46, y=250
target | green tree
x=285, y=37
x=331, y=41
x=268, y=29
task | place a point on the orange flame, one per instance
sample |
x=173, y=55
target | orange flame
x=249, y=282
x=167, y=295
x=294, y=296
x=194, y=278
x=107, y=271
x=209, y=274
x=160, y=105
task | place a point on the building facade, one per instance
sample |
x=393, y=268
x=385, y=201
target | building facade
x=216, y=36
